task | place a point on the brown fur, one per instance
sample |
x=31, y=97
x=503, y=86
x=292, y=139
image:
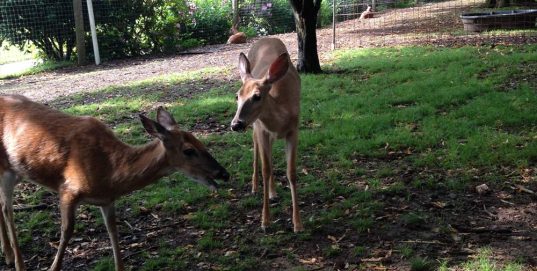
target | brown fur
x=82, y=160
x=367, y=14
x=236, y=36
x=269, y=76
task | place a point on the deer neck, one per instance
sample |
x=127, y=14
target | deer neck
x=273, y=114
x=140, y=166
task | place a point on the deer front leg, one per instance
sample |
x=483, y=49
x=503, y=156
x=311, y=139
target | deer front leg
x=255, y=175
x=109, y=215
x=8, y=182
x=265, y=147
x=290, y=151
x=68, y=205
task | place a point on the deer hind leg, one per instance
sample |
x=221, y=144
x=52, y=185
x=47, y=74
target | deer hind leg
x=265, y=147
x=4, y=240
x=109, y=215
x=7, y=185
x=290, y=151
x=68, y=205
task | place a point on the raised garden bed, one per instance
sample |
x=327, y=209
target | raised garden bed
x=505, y=19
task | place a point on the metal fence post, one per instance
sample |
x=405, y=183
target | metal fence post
x=93, y=33
x=333, y=24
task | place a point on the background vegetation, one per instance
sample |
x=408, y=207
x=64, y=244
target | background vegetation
x=139, y=27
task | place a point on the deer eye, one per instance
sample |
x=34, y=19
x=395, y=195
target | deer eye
x=256, y=97
x=189, y=152
x=236, y=97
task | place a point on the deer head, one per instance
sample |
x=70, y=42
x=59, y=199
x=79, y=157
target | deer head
x=183, y=151
x=251, y=97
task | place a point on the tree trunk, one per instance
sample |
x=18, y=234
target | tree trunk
x=502, y=3
x=490, y=3
x=305, y=12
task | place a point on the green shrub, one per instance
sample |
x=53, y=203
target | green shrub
x=211, y=21
x=138, y=27
x=47, y=24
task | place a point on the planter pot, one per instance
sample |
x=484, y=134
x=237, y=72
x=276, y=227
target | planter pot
x=507, y=19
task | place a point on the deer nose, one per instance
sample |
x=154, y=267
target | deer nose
x=223, y=175
x=237, y=126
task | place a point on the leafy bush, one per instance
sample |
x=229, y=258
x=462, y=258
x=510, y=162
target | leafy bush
x=47, y=24
x=267, y=18
x=325, y=13
x=139, y=27
x=211, y=21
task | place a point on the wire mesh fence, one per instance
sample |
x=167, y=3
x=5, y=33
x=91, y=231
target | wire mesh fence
x=425, y=21
x=143, y=27
x=45, y=25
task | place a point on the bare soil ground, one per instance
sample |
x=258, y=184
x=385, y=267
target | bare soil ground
x=504, y=218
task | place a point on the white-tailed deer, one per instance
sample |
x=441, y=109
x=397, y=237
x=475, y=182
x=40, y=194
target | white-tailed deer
x=83, y=161
x=270, y=99
x=236, y=36
x=367, y=14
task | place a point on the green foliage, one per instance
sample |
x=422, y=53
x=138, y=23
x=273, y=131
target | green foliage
x=485, y=262
x=325, y=13
x=211, y=21
x=268, y=17
x=139, y=27
x=420, y=264
x=47, y=24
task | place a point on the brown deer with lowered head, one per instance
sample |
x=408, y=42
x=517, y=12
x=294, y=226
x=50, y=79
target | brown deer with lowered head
x=270, y=100
x=83, y=161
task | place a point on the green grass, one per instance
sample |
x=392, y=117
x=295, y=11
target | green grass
x=12, y=54
x=38, y=68
x=485, y=262
x=437, y=110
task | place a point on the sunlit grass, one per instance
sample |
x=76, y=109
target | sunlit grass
x=441, y=109
x=9, y=53
x=34, y=69
x=484, y=261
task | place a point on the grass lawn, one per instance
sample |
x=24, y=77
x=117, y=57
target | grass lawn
x=393, y=142
x=10, y=54
x=15, y=63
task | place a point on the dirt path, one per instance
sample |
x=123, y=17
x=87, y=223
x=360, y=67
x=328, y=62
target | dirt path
x=430, y=23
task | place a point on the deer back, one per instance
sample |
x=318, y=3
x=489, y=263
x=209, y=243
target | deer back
x=46, y=145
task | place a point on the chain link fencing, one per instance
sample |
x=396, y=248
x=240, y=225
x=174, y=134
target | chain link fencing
x=148, y=27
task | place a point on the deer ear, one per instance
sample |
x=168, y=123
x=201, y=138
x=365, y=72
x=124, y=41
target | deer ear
x=277, y=69
x=154, y=128
x=244, y=67
x=165, y=119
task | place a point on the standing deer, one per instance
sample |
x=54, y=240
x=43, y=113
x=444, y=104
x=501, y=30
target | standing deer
x=270, y=99
x=82, y=160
